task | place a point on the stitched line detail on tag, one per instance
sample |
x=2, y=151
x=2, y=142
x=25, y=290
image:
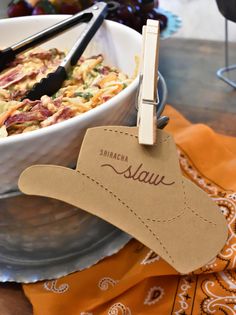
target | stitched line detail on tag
x=202, y=218
x=133, y=136
x=121, y=132
x=185, y=199
x=132, y=211
x=193, y=211
x=168, y=220
x=186, y=206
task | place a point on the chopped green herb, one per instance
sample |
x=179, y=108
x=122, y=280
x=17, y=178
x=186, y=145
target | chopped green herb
x=86, y=95
x=124, y=86
x=91, y=75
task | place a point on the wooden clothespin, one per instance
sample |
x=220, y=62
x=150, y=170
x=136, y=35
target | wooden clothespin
x=148, y=97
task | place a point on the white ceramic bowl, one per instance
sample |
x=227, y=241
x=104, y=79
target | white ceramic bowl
x=60, y=143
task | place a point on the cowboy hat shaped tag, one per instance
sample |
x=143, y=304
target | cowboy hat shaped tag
x=130, y=177
x=139, y=189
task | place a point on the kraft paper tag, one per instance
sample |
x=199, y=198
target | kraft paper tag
x=139, y=189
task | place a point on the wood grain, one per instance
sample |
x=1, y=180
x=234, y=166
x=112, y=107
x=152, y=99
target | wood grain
x=189, y=67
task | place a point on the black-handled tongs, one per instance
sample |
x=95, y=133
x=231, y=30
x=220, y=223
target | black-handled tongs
x=94, y=17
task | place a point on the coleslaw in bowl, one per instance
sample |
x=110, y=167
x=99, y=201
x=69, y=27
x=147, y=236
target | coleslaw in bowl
x=60, y=143
x=90, y=83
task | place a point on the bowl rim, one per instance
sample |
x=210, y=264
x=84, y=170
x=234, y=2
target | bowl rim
x=87, y=115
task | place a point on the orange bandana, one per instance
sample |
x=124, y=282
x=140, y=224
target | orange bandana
x=136, y=281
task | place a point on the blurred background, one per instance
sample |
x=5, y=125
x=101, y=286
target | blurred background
x=132, y=13
x=200, y=18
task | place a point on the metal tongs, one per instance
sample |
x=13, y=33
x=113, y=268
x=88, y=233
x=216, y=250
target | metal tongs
x=49, y=85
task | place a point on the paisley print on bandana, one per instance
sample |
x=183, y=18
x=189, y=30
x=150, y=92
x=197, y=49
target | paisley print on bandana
x=155, y=294
x=119, y=309
x=54, y=287
x=107, y=282
x=150, y=258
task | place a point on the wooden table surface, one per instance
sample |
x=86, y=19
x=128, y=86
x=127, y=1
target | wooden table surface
x=189, y=68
